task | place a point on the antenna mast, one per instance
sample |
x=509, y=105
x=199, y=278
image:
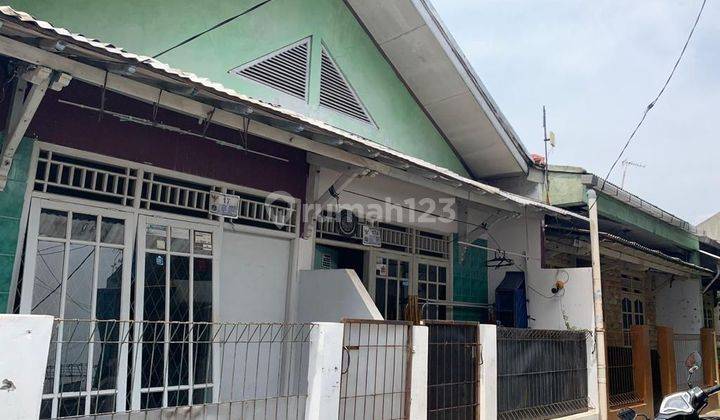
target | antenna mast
x=545, y=140
x=625, y=164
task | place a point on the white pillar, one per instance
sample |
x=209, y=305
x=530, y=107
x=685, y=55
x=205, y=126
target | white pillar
x=324, y=371
x=24, y=344
x=487, y=393
x=419, y=373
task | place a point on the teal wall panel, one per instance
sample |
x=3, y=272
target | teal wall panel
x=149, y=27
x=11, y=205
x=470, y=279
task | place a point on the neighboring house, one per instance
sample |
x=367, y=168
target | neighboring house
x=160, y=214
x=710, y=227
x=651, y=274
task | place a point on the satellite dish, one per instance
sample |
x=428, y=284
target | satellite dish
x=552, y=139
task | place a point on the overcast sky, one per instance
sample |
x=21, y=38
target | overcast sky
x=596, y=65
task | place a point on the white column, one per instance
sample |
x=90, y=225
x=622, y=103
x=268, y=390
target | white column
x=324, y=371
x=24, y=344
x=419, y=373
x=487, y=392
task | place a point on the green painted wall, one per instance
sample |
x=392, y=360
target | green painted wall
x=148, y=27
x=11, y=204
x=470, y=280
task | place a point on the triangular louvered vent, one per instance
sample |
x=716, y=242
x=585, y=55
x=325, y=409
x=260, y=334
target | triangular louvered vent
x=336, y=93
x=285, y=69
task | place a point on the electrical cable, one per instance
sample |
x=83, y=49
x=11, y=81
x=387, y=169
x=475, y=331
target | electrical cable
x=212, y=28
x=662, y=90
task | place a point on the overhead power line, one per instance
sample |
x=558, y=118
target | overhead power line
x=224, y=22
x=662, y=90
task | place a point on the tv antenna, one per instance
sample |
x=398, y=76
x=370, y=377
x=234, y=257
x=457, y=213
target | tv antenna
x=625, y=164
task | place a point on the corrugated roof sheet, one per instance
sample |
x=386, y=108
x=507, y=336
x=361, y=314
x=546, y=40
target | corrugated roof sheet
x=29, y=21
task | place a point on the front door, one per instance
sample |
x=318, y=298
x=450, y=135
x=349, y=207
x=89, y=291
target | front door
x=432, y=288
x=391, y=284
x=78, y=271
x=177, y=266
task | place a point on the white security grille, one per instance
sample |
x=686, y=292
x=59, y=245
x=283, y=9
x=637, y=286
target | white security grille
x=393, y=237
x=336, y=93
x=286, y=69
x=61, y=174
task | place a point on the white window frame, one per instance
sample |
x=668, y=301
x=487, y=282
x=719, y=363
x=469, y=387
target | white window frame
x=36, y=206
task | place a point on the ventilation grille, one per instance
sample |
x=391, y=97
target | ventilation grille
x=336, y=93
x=285, y=70
x=62, y=174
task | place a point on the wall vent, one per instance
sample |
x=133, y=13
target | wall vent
x=336, y=93
x=286, y=69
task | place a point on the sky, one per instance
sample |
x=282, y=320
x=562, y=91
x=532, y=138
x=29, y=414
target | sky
x=596, y=65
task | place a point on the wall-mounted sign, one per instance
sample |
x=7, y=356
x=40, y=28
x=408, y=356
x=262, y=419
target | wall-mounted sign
x=225, y=205
x=371, y=236
x=347, y=222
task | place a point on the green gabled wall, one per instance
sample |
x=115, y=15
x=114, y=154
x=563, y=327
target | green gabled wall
x=148, y=27
x=470, y=280
x=11, y=205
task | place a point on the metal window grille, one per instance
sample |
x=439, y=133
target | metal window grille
x=58, y=173
x=375, y=380
x=685, y=344
x=621, y=384
x=454, y=359
x=215, y=370
x=541, y=373
x=286, y=69
x=62, y=174
x=395, y=237
x=336, y=93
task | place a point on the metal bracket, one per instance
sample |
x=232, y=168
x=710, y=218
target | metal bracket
x=29, y=92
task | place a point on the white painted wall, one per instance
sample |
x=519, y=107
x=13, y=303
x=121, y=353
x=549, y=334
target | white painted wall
x=419, y=373
x=24, y=344
x=253, y=277
x=679, y=305
x=324, y=372
x=330, y=295
x=398, y=192
x=571, y=309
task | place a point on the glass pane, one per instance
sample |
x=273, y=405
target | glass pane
x=48, y=275
x=404, y=270
x=422, y=272
x=432, y=291
x=202, y=290
x=105, y=354
x=112, y=231
x=153, y=332
x=156, y=237
x=432, y=274
x=151, y=400
x=202, y=312
x=78, y=306
x=202, y=396
x=84, y=227
x=102, y=404
x=392, y=299
x=422, y=290
x=179, y=240
x=441, y=293
x=203, y=243
x=177, y=398
x=442, y=274
x=404, y=285
x=380, y=295
x=178, y=352
x=46, y=409
x=393, y=268
x=53, y=223
x=71, y=406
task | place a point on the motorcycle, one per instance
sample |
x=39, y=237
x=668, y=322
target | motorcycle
x=683, y=405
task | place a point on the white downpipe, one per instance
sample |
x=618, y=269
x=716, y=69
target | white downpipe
x=598, y=304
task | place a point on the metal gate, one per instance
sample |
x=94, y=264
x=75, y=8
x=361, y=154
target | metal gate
x=375, y=380
x=454, y=359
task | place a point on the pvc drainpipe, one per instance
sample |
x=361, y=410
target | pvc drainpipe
x=598, y=304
